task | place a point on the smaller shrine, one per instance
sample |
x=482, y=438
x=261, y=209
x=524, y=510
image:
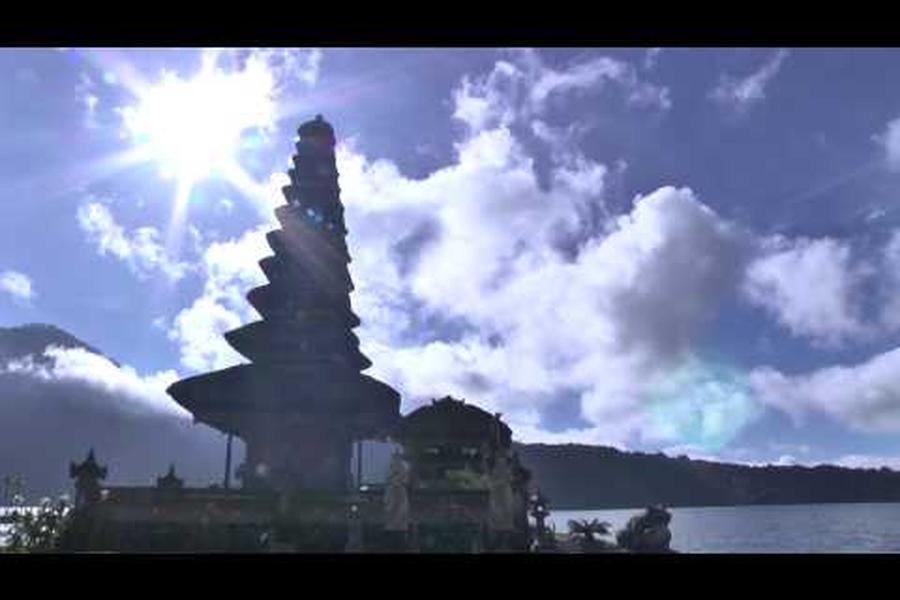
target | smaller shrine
x=87, y=476
x=170, y=481
x=465, y=488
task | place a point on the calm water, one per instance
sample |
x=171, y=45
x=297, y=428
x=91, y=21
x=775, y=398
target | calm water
x=795, y=528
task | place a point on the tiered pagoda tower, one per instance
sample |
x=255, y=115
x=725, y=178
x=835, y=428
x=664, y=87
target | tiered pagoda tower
x=302, y=400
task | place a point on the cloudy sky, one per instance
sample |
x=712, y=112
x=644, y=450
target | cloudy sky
x=690, y=251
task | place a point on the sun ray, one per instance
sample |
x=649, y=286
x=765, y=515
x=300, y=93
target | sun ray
x=260, y=193
x=831, y=184
x=117, y=68
x=836, y=181
x=50, y=186
x=175, y=230
x=352, y=91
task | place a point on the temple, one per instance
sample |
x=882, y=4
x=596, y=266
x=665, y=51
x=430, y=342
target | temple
x=302, y=400
x=455, y=483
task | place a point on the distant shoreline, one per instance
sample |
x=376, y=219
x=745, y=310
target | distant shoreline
x=572, y=476
x=677, y=506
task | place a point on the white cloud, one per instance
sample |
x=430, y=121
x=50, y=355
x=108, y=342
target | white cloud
x=523, y=88
x=137, y=393
x=86, y=94
x=18, y=285
x=867, y=461
x=140, y=248
x=814, y=288
x=231, y=270
x=198, y=330
x=741, y=94
x=57, y=404
x=537, y=299
x=731, y=455
x=286, y=65
x=651, y=57
x=785, y=460
x=864, y=396
x=891, y=142
x=890, y=280
x=810, y=286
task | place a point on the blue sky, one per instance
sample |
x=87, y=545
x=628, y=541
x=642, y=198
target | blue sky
x=687, y=250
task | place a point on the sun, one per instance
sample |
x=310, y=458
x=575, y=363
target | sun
x=194, y=128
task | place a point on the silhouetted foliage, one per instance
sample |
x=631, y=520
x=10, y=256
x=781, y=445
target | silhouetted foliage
x=588, y=529
x=647, y=532
x=37, y=529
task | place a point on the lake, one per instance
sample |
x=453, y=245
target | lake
x=800, y=528
x=803, y=528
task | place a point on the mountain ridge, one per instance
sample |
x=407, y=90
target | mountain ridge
x=47, y=421
x=31, y=339
x=577, y=476
x=46, y=424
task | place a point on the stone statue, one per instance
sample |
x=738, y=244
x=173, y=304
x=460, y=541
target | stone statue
x=647, y=532
x=354, y=530
x=502, y=502
x=396, y=496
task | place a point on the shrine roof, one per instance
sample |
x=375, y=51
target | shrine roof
x=452, y=419
x=314, y=389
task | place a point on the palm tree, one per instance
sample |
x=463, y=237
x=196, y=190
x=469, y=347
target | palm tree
x=586, y=530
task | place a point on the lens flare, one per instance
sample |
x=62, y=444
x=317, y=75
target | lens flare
x=702, y=404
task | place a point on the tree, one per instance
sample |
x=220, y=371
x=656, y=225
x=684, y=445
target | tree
x=586, y=531
x=37, y=529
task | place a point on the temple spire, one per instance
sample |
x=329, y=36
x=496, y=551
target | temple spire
x=303, y=400
x=170, y=481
